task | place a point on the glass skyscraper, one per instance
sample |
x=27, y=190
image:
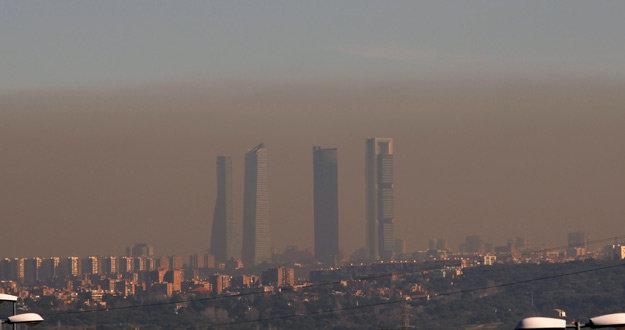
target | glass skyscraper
x=256, y=237
x=326, y=204
x=379, y=174
x=226, y=233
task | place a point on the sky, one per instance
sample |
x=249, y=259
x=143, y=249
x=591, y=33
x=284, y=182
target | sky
x=78, y=43
x=507, y=117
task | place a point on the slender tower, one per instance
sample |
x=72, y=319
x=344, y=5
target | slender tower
x=226, y=237
x=380, y=238
x=256, y=239
x=326, y=204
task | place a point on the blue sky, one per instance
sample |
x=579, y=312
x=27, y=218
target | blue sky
x=48, y=44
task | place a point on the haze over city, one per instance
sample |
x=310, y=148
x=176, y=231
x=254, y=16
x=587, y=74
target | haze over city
x=347, y=164
x=112, y=114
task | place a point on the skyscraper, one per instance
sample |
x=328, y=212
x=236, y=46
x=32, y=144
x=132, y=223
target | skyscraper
x=256, y=240
x=474, y=244
x=380, y=238
x=326, y=204
x=225, y=236
x=578, y=239
x=140, y=250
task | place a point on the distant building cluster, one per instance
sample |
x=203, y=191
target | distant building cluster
x=251, y=242
x=138, y=273
x=90, y=279
x=517, y=249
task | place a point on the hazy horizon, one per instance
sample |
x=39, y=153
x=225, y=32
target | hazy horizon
x=89, y=172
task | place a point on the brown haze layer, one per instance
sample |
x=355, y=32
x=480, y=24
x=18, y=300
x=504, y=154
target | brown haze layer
x=90, y=172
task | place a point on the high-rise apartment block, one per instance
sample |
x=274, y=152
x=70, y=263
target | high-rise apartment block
x=614, y=252
x=256, y=239
x=70, y=266
x=108, y=265
x=400, y=246
x=326, y=204
x=281, y=276
x=577, y=244
x=90, y=265
x=18, y=268
x=176, y=262
x=474, y=244
x=175, y=276
x=438, y=244
x=578, y=239
x=163, y=262
x=49, y=268
x=202, y=261
x=219, y=282
x=140, y=250
x=32, y=268
x=150, y=263
x=125, y=265
x=139, y=264
x=226, y=232
x=379, y=192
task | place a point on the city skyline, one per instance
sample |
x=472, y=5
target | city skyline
x=136, y=187
x=105, y=284
x=509, y=116
x=353, y=152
